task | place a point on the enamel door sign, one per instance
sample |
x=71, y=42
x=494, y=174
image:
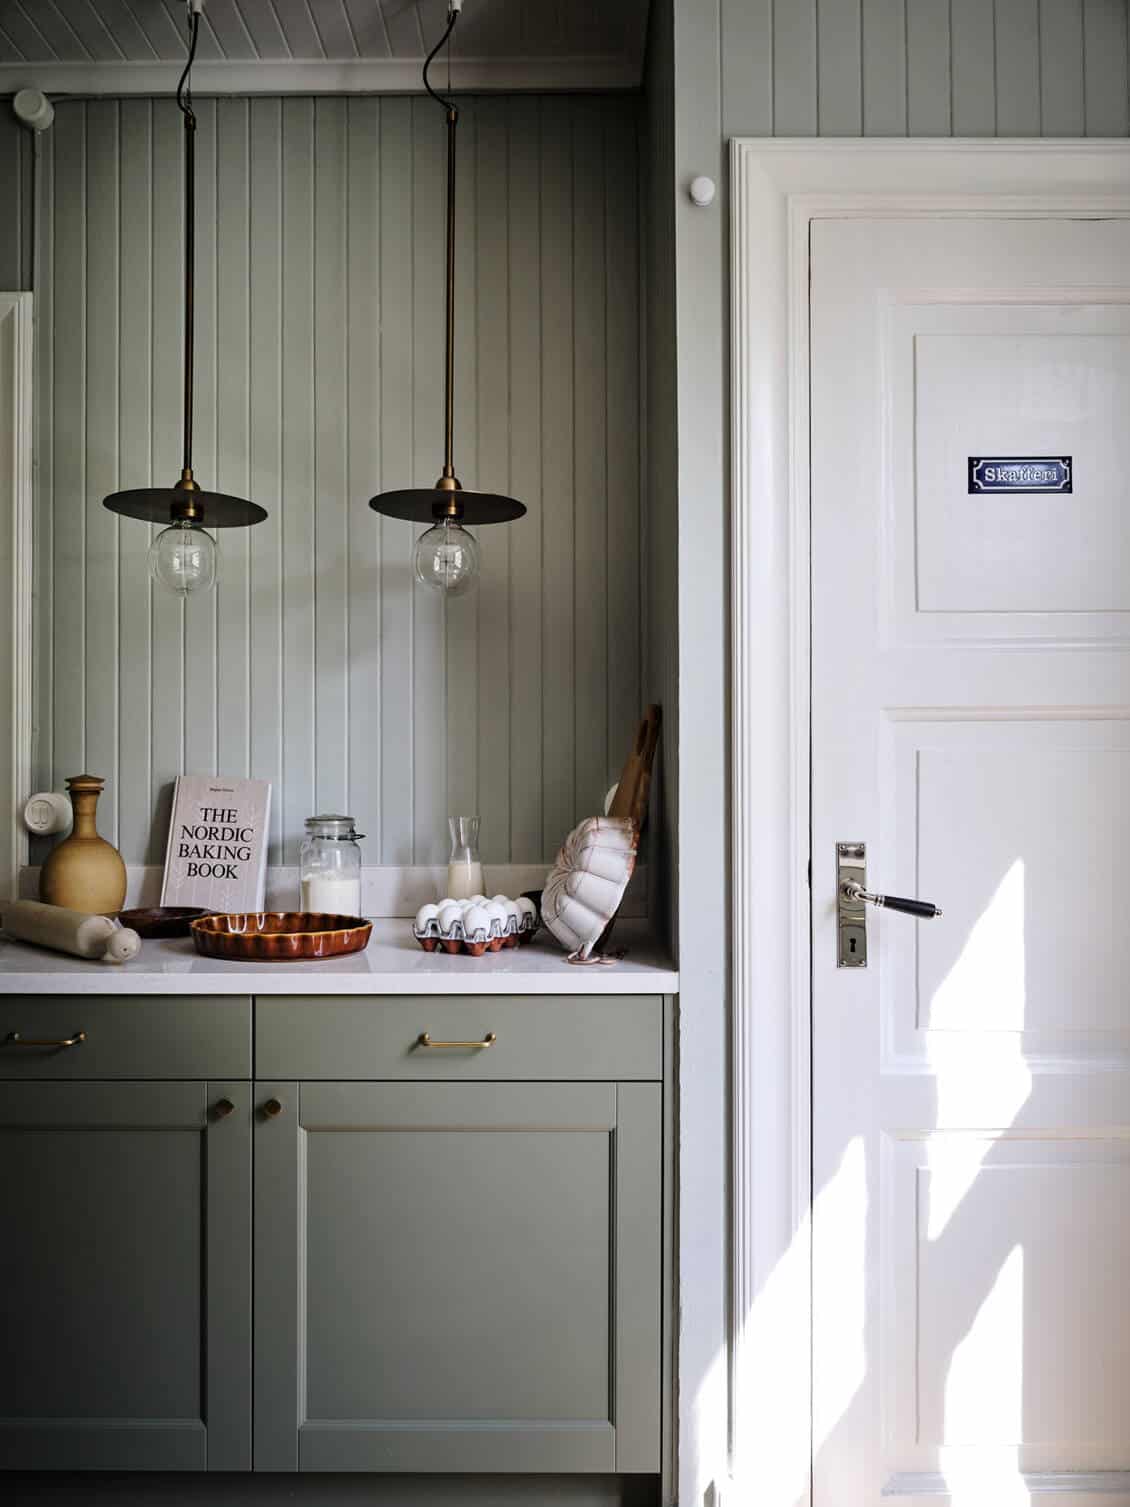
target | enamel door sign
x=1019, y=473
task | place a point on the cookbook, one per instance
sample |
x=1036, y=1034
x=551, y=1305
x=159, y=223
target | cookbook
x=217, y=851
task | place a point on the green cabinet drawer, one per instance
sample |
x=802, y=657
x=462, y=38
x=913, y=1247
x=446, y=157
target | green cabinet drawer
x=544, y=1037
x=135, y=1036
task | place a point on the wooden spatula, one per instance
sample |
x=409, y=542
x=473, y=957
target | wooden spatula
x=635, y=781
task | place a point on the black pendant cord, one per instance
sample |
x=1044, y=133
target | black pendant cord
x=185, y=501
x=449, y=364
x=446, y=501
x=184, y=104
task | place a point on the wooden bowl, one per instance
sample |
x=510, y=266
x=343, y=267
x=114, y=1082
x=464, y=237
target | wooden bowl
x=162, y=920
x=280, y=936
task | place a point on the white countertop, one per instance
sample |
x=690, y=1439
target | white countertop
x=393, y=963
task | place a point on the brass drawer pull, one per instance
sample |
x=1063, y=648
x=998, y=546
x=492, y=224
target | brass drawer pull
x=14, y=1039
x=222, y=1108
x=424, y=1040
x=272, y=1109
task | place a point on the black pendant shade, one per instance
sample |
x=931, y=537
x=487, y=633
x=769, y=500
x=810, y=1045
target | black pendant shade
x=168, y=504
x=433, y=505
x=184, y=501
x=447, y=499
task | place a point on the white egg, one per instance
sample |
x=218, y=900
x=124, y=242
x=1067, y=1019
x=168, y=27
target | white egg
x=478, y=899
x=476, y=923
x=496, y=914
x=425, y=915
x=527, y=906
x=449, y=917
x=501, y=899
x=514, y=912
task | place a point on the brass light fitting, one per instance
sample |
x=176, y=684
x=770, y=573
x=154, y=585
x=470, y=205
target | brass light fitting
x=447, y=502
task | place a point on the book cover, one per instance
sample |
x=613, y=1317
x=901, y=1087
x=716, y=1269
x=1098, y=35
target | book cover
x=217, y=850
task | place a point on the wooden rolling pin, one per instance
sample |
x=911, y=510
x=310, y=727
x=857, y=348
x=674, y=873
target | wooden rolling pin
x=70, y=931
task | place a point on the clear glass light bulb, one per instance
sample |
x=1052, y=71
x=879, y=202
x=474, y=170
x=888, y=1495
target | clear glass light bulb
x=184, y=559
x=447, y=558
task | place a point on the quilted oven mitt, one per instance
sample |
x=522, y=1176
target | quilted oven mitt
x=588, y=880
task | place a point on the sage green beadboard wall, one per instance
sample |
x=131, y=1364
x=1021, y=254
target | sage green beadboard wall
x=923, y=67
x=319, y=381
x=15, y=202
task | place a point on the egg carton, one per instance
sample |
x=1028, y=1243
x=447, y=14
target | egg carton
x=476, y=925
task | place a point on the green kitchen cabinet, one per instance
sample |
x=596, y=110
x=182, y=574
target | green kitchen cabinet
x=458, y=1277
x=125, y=1294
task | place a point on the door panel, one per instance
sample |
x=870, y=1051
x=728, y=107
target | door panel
x=459, y=1277
x=124, y=1269
x=971, y=724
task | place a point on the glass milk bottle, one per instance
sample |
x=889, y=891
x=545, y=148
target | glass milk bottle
x=329, y=866
x=464, y=871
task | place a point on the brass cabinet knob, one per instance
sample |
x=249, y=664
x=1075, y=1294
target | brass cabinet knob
x=272, y=1108
x=222, y=1108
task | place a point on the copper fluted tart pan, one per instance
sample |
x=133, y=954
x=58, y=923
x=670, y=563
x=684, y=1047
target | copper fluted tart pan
x=280, y=936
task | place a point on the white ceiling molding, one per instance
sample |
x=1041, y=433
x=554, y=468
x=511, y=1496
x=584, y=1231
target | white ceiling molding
x=323, y=76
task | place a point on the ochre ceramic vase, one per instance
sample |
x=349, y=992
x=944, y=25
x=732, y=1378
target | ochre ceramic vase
x=84, y=872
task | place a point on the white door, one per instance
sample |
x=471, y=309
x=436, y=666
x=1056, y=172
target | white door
x=971, y=726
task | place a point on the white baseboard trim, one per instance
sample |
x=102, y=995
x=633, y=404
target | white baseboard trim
x=385, y=891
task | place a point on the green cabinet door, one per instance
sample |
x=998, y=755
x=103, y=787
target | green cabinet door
x=457, y=1277
x=125, y=1293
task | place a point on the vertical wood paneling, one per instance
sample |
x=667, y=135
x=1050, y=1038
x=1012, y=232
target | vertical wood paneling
x=492, y=686
x=1105, y=67
x=622, y=515
x=363, y=378
x=525, y=293
x=43, y=538
x=1062, y=91
x=840, y=69
x=331, y=504
x=590, y=449
x=202, y=644
x=297, y=509
x=166, y=731
x=792, y=41
x=1018, y=67
x=135, y=376
x=15, y=196
x=461, y=625
x=927, y=68
x=924, y=67
x=102, y=450
x=429, y=668
x=748, y=65
x=558, y=668
x=265, y=545
x=233, y=469
x=317, y=664
x=973, y=46
x=397, y=646
x=884, y=68
x=69, y=435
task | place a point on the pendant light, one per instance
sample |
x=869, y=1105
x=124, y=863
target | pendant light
x=184, y=557
x=446, y=556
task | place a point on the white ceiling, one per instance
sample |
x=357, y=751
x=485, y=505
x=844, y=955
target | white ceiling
x=260, y=46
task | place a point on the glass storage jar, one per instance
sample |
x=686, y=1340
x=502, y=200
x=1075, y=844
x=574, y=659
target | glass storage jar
x=329, y=866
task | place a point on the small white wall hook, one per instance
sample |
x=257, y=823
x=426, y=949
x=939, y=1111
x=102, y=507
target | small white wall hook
x=702, y=191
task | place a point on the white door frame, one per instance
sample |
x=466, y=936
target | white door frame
x=16, y=579
x=778, y=188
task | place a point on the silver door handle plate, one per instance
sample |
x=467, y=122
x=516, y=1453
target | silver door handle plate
x=851, y=916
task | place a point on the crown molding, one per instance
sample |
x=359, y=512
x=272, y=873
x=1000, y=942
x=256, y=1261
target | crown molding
x=298, y=76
